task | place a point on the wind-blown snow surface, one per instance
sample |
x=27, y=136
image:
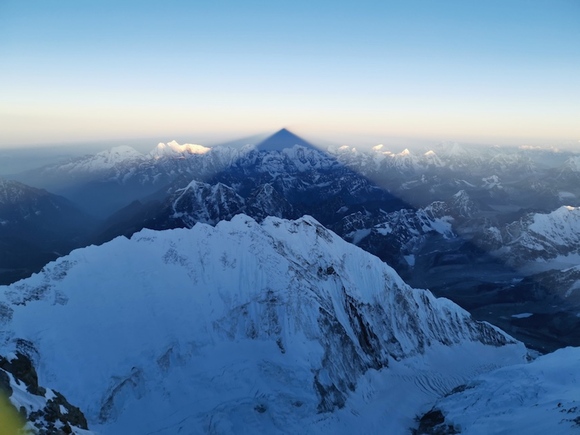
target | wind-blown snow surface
x=244, y=328
x=536, y=398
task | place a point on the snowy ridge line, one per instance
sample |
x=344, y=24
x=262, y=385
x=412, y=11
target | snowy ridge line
x=263, y=326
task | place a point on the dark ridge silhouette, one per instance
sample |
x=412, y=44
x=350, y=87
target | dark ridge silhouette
x=283, y=139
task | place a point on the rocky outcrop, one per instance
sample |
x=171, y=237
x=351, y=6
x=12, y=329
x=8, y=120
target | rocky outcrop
x=39, y=410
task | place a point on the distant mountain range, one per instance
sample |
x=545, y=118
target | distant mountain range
x=428, y=214
x=255, y=311
x=107, y=181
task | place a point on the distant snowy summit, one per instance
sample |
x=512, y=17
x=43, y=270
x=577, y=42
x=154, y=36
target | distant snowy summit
x=125, y=158
x=174, y=150
x=124, y=161
x=126, y=155
x=104, y=160
x=539, y=241
x=108, y=181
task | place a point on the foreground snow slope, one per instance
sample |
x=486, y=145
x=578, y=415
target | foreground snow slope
x=243, y=328
x=537, y=398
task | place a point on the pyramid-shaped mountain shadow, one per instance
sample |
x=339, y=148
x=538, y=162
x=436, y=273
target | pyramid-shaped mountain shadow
x=339, y=197
x=357, y=208
x=323, y=187
x=283, y=139
x=287, y=176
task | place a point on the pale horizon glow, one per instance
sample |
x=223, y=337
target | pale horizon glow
x=487, y=72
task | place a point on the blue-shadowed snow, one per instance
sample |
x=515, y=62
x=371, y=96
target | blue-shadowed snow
x=537, y=398
x=281, y=327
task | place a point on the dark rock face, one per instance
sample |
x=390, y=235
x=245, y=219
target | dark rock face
x=374, y=335
x=58, y=416
x=5, y=384
x=52, y=413
x=21, y=368
x=433, y=423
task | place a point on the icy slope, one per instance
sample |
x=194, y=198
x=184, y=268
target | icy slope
x=536, y=398
x=243, y=328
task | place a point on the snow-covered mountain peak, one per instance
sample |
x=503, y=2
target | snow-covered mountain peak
x=454, y=150
x=405, y=160
x=122, y=152
x=550, y=240
x=430, y=158
x=306, y=158
x=572, y=164
x=175, y=150
x=564, y=211
x=269, y=327
x=561, y=225
x=463, y=205
x=116, y=155
x=103, y=161
x=462, y=195
x=378, y=147
x=202, y=202
x=11, y=191
x=492, y=182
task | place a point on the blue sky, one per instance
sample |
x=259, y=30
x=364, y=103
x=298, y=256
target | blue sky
x=473, y=71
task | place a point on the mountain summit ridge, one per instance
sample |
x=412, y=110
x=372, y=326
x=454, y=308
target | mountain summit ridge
x=258, y=327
